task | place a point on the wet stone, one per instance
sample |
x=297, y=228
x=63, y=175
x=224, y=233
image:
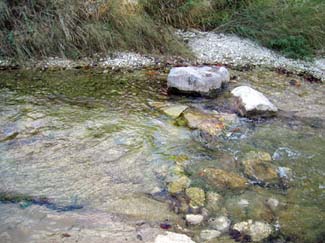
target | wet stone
x=272, y=203
x=249, y=205
x=170, y=109
x=223, y=180
x=194, y=219
x=258, y=166
x=210, y=123
x=196, y=196
x=257, y=230
x=179, y=185
x=221, y=223
x=170, y=237
x=214, y=201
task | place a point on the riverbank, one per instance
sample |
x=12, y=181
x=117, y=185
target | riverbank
x=207, y=47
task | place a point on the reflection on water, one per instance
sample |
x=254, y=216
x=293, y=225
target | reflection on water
x=91, y=140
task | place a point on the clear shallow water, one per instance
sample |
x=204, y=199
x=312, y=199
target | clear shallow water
x=91, y=140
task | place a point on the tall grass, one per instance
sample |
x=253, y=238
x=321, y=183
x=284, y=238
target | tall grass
x=73, y=28
x=296, y=28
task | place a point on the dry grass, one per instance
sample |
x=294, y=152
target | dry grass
x=72, y=28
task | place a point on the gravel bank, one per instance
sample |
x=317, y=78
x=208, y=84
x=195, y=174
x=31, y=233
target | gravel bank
x=211, y=48
x=208, y=48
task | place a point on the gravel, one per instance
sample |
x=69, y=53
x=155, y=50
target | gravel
x=212, y=48
x=127, y=60
x=208, y=47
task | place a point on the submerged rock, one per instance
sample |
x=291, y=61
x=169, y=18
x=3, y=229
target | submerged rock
x=249, y=205
x=258, y=166
x=194, y=219
x=286, y=175
x=196, y=196
x=221, y=223
x=197, y=80
x=209, y=234
x=214, y=201
x=250, y=102
x=170, y=109
x=257, y=230
x=211, y=123
x=179, y=185
x=171, y=237
x=272, y=203
x=223, y=180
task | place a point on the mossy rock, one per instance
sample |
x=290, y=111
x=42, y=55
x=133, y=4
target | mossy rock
x=196, y=196
x=179, y=185
x=223, y=180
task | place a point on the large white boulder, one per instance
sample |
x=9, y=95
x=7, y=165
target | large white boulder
x=171, y=237
x=197, y=80
x=250, y=102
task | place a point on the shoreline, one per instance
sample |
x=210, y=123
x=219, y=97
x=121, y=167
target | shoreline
x=208, y=49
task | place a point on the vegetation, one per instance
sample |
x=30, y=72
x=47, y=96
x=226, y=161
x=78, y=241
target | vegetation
x=73, y=28
x=294, y=27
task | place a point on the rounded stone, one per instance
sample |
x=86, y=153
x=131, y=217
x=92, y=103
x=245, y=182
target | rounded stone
x=257, y=230
x=196, y=196
x=179, y=185
x=171, y=237
x=221, y=223
x=194, y=219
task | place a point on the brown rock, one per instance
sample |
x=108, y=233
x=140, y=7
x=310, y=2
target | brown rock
x=210, y=123
x=258, y=166
x=223, y=180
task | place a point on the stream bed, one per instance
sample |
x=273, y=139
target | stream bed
x=84, y=157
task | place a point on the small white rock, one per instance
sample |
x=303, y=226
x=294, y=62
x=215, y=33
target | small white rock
x=243, y=203
x=272, y=203
x=221, y=223
x=171, y=237
x=257, y=230
x=194, y=218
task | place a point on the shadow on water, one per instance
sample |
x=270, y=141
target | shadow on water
x=25, y=201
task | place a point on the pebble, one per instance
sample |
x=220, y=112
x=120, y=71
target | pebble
x=171, y=237
x=194, y=219
x=272, y=203
x=221, y=223
x=209, y=234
